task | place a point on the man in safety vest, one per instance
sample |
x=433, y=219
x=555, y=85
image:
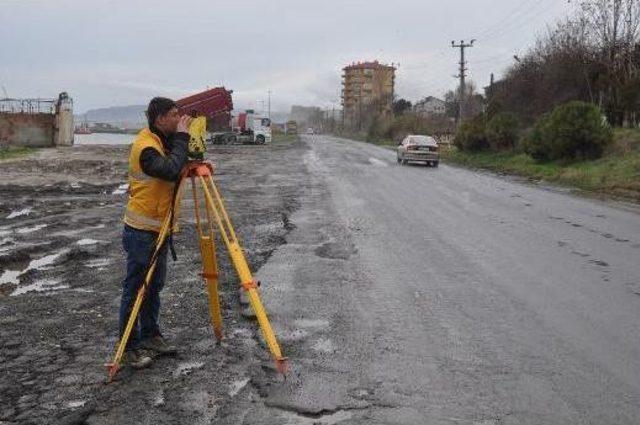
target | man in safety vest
x=157, y=156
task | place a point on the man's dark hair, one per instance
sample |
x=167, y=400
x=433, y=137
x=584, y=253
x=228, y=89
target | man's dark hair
x=157, y=107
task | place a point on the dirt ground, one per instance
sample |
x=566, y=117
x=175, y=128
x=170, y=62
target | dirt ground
x=61, y=266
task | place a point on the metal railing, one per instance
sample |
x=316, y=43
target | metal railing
x=28, y=106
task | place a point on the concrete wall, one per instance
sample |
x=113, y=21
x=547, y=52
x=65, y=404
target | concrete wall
x=19, y=129
x=36, y=122
x=64, y=123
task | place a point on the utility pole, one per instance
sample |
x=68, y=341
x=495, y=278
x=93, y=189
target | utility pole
x=333, y=117
x=491, y=87
x=269, y=103
x=462, y=76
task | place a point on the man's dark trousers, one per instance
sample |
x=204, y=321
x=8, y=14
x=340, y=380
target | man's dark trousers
x=139, y=246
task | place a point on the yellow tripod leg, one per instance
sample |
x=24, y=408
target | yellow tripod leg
x=242, y=268
x=114, y=366
x=209, y=264
x=210, y=274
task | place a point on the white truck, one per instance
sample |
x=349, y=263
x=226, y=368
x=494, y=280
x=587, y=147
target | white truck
x=246, y=128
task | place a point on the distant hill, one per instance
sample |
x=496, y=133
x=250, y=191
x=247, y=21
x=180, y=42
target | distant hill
x=133, y=116
x=122, y=116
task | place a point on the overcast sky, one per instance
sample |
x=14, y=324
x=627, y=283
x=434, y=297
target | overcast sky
x=112, y=53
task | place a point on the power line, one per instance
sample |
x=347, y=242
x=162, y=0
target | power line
x=504, y=19
x=528, y=16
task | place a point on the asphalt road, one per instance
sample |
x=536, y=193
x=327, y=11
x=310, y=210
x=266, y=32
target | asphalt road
x=412, y=295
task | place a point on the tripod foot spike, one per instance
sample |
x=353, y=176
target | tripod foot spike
x=113, y=370
x=282, y=365
x=218, y=335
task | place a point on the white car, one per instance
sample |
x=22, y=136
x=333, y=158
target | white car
x=309, y=130
x=418, y=148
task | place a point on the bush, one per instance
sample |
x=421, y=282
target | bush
x=471, y=136
x=573, y=131
x=379, y=128
x=502, y=132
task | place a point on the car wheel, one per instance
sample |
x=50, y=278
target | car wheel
x=260, y=140
x=435, y=163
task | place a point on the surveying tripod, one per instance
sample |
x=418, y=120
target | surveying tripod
x=200, y=173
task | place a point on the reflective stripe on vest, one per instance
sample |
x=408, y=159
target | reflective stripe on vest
x=133, y=219
x=150, y=198
x=139, y=175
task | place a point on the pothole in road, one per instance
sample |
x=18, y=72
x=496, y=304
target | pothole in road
x=293, y=335
x=186, y=368
x=330, y=419
x=317, y=324
x=335, y=251
x=324, y=345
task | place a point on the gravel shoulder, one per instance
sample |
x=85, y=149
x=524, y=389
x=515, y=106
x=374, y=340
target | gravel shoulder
x=61, y=266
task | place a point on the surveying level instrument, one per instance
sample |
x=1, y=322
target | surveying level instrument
x=205, y=195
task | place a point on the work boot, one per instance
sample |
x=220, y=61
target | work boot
x=137, y=359
x=158, y=345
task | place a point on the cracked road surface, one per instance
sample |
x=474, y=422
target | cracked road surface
x=413, y=295
x=402, y=295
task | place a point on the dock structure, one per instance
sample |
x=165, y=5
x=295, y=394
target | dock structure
x=36, y=122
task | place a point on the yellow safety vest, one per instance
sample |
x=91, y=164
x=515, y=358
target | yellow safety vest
x=149, y=197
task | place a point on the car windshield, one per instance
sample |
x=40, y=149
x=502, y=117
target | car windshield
x=421, y=140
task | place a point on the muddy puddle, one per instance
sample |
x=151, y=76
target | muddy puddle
x=61, y=268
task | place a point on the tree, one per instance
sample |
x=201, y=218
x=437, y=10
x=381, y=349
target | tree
x=502, y=131
x=473, y=102
x=573, y=131
x=400, y=106
x=591, y=57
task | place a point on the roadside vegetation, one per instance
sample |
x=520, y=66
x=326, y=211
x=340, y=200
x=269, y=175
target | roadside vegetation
x=568, y=111
x=281, y=138
x=390, y=130
x=615, y=173
x=14, y=152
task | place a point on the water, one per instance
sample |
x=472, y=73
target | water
x=24, y=211
x=13, y=276
x=24, y=230
x=103, y=139
x=121, y=190
x=39, y=286
x=87, y=241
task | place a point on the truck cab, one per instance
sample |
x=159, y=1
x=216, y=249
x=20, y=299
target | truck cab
x=253, y=128
x=261, y=130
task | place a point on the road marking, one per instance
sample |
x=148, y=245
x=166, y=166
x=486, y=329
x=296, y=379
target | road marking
x=377, y=162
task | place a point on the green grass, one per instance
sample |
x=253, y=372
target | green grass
x=616, y=174
x=14, y=152
x=383, y=142
x=281, y=138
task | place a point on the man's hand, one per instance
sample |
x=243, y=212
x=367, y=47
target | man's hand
x=183, y=124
